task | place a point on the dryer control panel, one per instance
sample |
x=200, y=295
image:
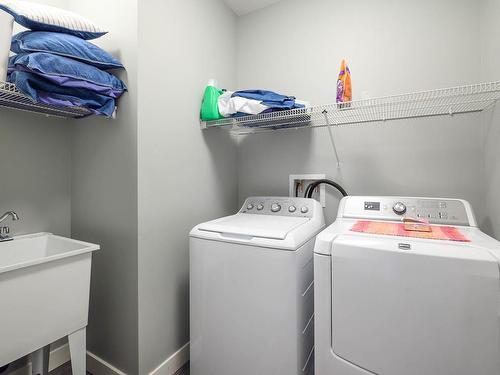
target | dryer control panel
x=434, y=210
x=281, y=206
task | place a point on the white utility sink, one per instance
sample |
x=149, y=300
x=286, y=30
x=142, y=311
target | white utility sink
x=44, y=295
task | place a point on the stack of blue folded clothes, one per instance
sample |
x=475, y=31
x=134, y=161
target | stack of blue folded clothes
x=65, y=70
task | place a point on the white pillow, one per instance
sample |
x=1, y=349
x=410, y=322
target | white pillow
x=42, y=17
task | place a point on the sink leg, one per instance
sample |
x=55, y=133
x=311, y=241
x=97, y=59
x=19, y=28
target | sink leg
x=40, y=361
x=78, y=351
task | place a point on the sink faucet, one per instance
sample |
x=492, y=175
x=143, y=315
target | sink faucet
x=4, y=231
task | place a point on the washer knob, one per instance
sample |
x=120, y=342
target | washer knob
x=275, y=207
x=399, y=208
x=292, y=209
x=250, y=206
x=260, y=207
x=304, y=210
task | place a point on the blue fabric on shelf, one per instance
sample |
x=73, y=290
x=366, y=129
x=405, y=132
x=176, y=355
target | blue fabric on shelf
x=271, y=99
x=54, y=67
x=64, y=45
x=43, y=91
x=275, y=102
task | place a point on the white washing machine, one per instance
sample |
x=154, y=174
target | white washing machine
x=251, y=289
x=394, y=305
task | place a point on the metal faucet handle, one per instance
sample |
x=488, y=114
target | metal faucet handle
x=13, y=215
x=4, y=234
x=4, y=231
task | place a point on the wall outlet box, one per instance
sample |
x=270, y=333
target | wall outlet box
x=298, y=184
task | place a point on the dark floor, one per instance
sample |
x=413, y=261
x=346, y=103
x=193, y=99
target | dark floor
x=184, y=370
x=66, y=370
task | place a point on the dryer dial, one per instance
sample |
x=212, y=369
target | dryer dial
x=399, y=208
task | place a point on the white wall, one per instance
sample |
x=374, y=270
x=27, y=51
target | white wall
x=104, y=194
x=490, y=42
x=185, y=176
x=392, y=47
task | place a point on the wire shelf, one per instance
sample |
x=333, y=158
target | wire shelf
x=11, y=97
x=448, y=101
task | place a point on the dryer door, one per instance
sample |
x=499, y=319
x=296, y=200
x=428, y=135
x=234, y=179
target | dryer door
x=432, y=309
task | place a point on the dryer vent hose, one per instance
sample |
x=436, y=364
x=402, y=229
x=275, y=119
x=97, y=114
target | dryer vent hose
x=313, y=185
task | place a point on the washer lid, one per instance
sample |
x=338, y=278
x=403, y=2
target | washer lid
x=262, y=226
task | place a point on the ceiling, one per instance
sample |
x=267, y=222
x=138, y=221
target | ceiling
x=241, y=7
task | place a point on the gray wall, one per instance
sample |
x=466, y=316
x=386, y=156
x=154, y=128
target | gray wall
x=185, y=176
x=392, y=47
x=104, y=195
x=35, y=165
x=490, y=42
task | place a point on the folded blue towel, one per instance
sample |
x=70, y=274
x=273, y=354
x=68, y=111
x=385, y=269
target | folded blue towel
x=271, y=99
x=41, y=90
x=68, y=72
x=64, y=82
x=64, y=45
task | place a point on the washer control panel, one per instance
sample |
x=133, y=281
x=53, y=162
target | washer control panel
x=433, y=210
x=282, y=206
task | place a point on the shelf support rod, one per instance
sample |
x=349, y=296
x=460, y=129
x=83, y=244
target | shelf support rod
x=332, y=140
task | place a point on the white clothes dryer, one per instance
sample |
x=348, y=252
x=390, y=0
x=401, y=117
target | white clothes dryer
x=394, y=305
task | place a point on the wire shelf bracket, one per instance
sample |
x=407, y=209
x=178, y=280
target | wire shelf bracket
x=332, y=138
x=12, y=98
